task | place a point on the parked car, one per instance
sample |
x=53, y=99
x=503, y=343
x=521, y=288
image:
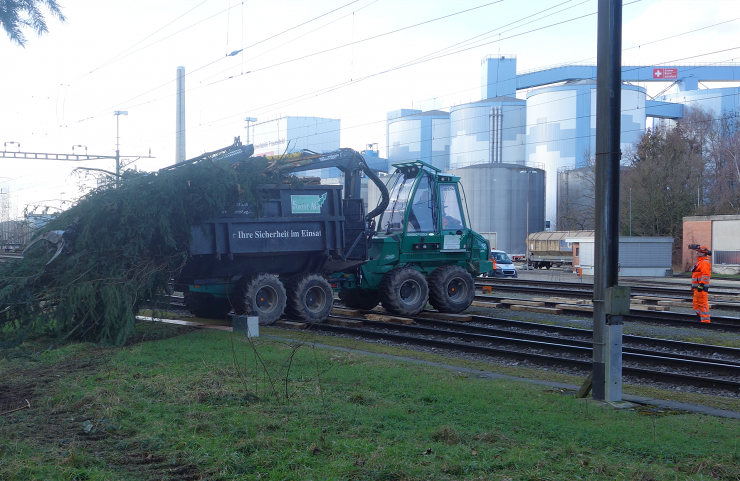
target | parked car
x=504, y=265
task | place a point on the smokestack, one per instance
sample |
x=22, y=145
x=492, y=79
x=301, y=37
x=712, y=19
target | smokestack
x=180, y=113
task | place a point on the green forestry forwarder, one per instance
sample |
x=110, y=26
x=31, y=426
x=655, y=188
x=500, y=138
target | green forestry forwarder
x=304, y=243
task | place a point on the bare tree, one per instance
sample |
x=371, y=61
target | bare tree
x=665, y=171
x=722, y=190
x=577, y=196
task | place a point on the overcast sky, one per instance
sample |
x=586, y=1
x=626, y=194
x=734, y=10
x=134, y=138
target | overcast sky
x=62, y=89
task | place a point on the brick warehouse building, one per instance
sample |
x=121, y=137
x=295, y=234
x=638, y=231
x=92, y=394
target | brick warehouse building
x=721, y=234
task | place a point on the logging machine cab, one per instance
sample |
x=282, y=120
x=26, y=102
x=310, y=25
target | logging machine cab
x=423, y=250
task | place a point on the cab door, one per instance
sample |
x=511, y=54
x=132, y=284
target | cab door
x=422, y=232
x=455, y=232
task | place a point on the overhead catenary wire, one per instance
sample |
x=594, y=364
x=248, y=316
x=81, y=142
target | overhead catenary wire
x=221, y=58
x=526, y=125
x=413, y=62
x=291, y=40
x=398, y=67
x=328, y=89
x=114, y=59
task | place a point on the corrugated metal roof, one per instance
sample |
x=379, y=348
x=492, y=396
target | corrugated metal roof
x=560, y=235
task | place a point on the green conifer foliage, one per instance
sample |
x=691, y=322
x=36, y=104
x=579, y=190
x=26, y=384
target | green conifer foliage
x=122, y=247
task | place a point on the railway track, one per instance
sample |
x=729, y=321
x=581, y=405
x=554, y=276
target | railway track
x=522, y=341
x=661, y=360
x=586, y=289
x=722, y=323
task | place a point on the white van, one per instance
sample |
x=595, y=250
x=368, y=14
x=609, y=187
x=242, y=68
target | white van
x=504, y=265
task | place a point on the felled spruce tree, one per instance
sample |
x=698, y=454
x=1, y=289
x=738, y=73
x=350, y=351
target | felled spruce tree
x=121, y=247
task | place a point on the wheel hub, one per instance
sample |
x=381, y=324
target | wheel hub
x=266, y=299
x=456, y=289
x=410, y=292
x=315, y=299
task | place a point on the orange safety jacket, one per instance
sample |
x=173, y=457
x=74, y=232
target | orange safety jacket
x=701, y=272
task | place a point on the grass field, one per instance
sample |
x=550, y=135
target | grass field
x=199, y=404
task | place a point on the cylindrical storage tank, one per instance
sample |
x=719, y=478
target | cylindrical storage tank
x=496, y=196
x=561, y=129
x=575, y=209
x=416, y=135
x=487, y=131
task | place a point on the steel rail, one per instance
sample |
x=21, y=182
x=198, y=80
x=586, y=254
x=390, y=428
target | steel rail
x=570, y=346
x=588, y=334
x=457, y=327
x=534, y=357
x=641, y=289
x=722, y=323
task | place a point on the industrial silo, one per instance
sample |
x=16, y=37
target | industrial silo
x=561, y=129
x=503, y=198
x=487, y=131
x=416, y=135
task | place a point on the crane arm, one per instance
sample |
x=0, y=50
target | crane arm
x=349, y=161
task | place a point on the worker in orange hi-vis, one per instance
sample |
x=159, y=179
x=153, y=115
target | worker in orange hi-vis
x=700, y=275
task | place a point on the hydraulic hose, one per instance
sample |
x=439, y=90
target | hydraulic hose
x=384, y=195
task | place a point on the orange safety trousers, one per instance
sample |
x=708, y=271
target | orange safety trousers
x=701, y=305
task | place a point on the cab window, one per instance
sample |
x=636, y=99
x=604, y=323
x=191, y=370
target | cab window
x=392, y=220
x=422, y=215
x=451, y=216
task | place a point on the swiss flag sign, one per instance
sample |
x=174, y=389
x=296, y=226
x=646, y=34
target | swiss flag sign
x=665, y=73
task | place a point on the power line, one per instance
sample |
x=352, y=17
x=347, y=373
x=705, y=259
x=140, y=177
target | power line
x=168, y=36
x=524, y=107
x=519, y=127
x=326, y=91
x=148, y=37
x=509, y=24
x=294, y=39
x=329, y=89
x=304, y=23
x=303, y=57
x=217, y=60
x=335, y=87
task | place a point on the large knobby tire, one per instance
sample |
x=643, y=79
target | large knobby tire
x=206, y=305
x=404, y=292
x=261, y=295
x=451, y=289
x=364, y=299
x=310, y=298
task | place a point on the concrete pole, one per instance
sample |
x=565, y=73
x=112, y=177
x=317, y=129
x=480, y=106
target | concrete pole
x=180, y=116
x=609, y=299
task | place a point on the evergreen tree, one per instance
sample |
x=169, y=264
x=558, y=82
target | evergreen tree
x=15, y=15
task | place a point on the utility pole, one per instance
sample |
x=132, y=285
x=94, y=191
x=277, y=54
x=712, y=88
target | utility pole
x=610, y=301
x=630, y=211
x=180, y=117
x=249, y=119
x=118, y=114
